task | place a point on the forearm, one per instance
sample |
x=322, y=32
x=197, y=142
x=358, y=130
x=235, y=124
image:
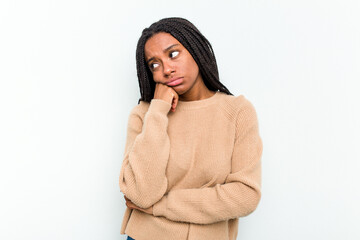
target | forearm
x=241, y=191
x=142, y=177
x=211, y=204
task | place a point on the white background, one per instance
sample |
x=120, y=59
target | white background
x=68, y=83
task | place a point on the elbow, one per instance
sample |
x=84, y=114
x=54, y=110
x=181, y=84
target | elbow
x=252, y=202
x=147, y=200
x=143, y=192
x=145, y=196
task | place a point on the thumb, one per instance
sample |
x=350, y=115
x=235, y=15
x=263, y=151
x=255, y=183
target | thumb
x=176, y=99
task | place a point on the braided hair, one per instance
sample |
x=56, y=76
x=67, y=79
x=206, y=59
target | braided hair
x=191, y=38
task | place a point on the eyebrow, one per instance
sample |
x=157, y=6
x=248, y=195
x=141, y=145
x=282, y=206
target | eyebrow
x=165, y=50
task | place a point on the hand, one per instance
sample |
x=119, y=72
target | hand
x=167, y=94
x=131, y=205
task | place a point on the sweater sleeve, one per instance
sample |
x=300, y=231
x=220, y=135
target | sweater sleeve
x=238, y=196
x=142, y=175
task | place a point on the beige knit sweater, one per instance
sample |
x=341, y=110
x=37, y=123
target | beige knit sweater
x=199, y=167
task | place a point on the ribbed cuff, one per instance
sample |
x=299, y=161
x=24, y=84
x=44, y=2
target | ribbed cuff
x=159, y=105
x=159, y=208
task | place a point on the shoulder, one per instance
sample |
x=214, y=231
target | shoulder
x=246, y=119
x=244, y=107
x=241, y=110
x=138, y=111
x=237, y=105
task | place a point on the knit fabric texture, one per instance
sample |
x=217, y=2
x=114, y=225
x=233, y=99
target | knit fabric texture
x=198, y=167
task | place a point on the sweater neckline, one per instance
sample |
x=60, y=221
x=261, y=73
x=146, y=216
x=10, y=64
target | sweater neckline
x=182, y=105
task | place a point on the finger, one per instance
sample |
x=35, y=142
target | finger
x=127, y=199
x=133, y=206
x=172, y=101
x=130, y=205
x=176, y=102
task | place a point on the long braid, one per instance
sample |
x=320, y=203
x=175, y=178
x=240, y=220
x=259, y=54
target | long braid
x=191, y=38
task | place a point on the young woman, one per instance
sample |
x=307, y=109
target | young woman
x=192, y=161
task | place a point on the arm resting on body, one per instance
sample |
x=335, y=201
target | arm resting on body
x=237, y=197
x=142, y=176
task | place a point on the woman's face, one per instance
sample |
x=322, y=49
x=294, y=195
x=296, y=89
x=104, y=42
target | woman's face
x=169, y=61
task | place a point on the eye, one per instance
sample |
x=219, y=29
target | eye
x=174, y=54
x=153, y=65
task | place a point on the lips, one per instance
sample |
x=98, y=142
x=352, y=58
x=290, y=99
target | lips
x=175, y=81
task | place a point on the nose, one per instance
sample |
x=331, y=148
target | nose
x=168, y=68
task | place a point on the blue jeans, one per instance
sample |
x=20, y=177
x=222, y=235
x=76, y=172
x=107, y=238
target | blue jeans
x=129, y=238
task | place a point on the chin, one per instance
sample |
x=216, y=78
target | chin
x=179, y=89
